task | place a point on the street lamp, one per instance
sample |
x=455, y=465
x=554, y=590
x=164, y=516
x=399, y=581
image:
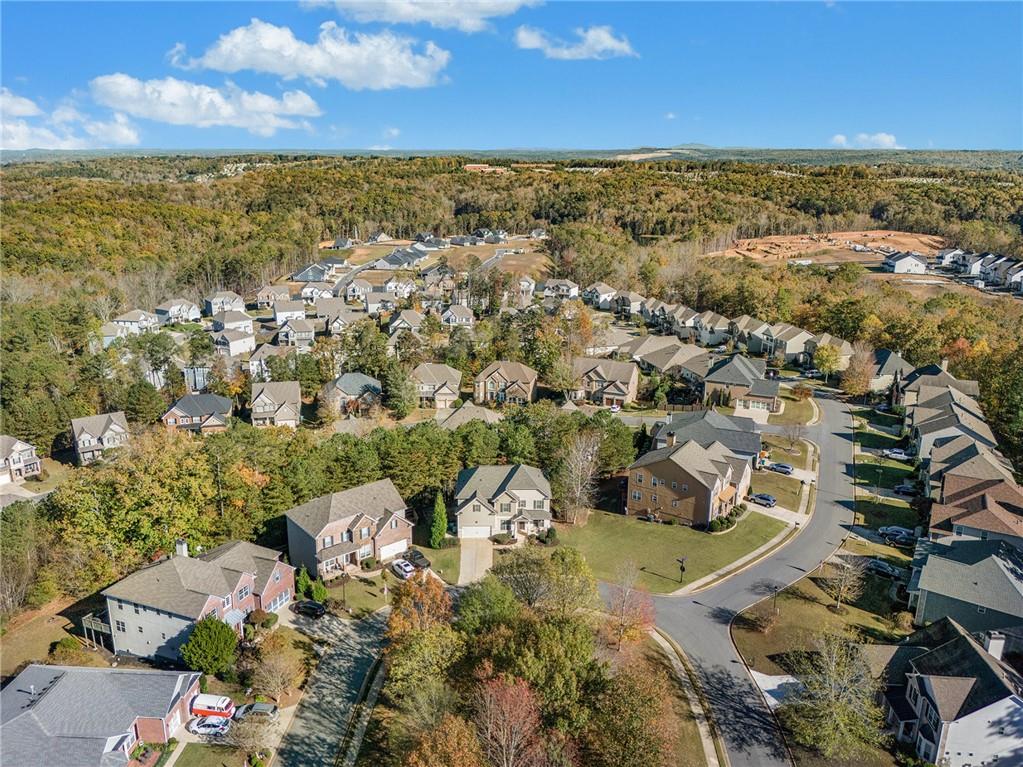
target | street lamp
x=682, y=568
x=776, y=590
x=344, y=590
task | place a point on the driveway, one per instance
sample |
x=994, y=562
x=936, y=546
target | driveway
x=476, y=558
x=322, y=716
x=701, y=622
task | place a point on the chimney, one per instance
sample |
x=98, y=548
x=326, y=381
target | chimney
x=944, y=364
x=994, y=643
x=181, y=547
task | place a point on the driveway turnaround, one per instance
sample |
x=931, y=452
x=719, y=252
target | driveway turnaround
x=322, y=717
x=477, y=556
x=701, y=623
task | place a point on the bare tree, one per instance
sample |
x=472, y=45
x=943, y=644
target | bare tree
x=252, y=735
x=577, y=476
x=847, y=581
x=508, y=721
x=794, y=433
x=277, y=670
x=630, y=607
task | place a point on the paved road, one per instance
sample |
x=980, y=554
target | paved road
x=700, y=623
x=323, y=713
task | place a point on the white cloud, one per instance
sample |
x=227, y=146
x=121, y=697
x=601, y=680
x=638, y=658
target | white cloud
x=20, y=134
x=357, y=61
x=669, y=115
x=12, y=105
x=379, y=148
x=839, y=139
x=392, y=132
x=464, y=15
x=118, y=131
x=879, y=140
x=179, y=102
x=593, y=43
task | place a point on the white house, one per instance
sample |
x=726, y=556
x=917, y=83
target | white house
x=177, y=310
x=137, y=322
x=560, y=289
x=224, y=301
x=400, y=286
x=285, y=311
x=231, y=320
x=905, y=263
x=231, y=343
x=457, y=315
x=356, y=289
x=312, y=291
x=18, y=460
x=599, y=295
x=502, y=499
x=377, y=301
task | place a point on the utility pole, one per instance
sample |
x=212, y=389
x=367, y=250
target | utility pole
x=682, y=568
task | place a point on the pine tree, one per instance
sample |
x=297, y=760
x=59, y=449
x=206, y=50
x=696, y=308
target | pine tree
x=439, y=523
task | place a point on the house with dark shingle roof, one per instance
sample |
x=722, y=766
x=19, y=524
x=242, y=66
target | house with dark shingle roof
x=352, y=392
x=886, y=368
x=152, y=611
x=336, y=532
x=502, y=499
x=277, y=403
x=451, y=419
x=705, y=427
x=90, y=717
x=95, y=433
x=203, y=413
x=951, y=696
x=739, y=381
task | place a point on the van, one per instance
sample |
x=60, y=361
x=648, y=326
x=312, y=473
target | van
x=212, y=705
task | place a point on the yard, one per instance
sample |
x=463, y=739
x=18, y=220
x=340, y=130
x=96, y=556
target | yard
x=362, y=595
x=889, y=511
x=607, y=540
x=870, y=439
x=795, y=411
x=786, y=490
x=876, y=418
x=779, y=451
x=30, y=635
x=444, y=562
x=205, y=755
x=872, y=471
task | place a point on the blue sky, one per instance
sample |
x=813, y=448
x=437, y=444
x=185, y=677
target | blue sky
x=421, y=74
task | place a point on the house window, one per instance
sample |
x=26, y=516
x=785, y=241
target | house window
x=538, y=505
x=394, y=524
x=674, y=504
x=172, y=421
x=349, y=536
x=136, y=609
x=475, y=507
x=365, y=551
x=140, y=629
x=639, y=478
x=120, y=605
x=364, y=532
x=119, y=625
x=674, y=485
x=506, y=508
x=522, y=504
x=328, y=540
x=637, y=496
x=981, y=609
x=277, y=576
x=243, y=592
x=685, y=488
x=653, y=497
x=163, y=636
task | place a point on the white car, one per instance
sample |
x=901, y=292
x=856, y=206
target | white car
x=403, y=569
x=616, y=408
x=897, y=454
x=210, y=725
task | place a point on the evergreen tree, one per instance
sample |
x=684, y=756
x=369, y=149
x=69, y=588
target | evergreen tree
x=439, y=522
x=210, y=647
x=143, y=403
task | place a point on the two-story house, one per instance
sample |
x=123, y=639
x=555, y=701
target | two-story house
x=560, y=289
x=437, y=385
x=233, y=320
x=18, y=460
x=336, y=532
x=782, y=341
x=604, y=382
x=223, y=301
x=407, y=319
x=95, y=433
x=457, y=315
x=512, y=499
x=202, y=413
x=278, y=403
x=711, y=328
x=504, y=381
x=312, y=291
x=233, y=343
x=599, y=295
x=152, y=611
x=298, y=333
x=352, y=393
x=285, y=311
x=357, y=289
x=688, y=482
x=269, y=295
x=177, y=310
x=740, y=381
x=137, y=321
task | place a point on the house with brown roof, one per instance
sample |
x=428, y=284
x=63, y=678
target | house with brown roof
x=276, y=403
x=202, y=413
x=152, y=612
x=688, y=482
x=604, y=382
x=437, y=385
x=269, y=295
x=336, y=532
x=505, y=382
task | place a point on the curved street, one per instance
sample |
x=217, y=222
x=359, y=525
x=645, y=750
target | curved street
x=700, y=622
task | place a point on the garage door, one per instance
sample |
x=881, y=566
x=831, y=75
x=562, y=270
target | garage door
x=393, y=549
x=474, y=531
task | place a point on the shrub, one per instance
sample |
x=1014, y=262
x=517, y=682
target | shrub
x=670, y=521
x=903, y=620
x=249, y=631
x=229, y=675
x=502, y=538
x=552, y=535
x=319, y=593
x=203, y=684
x=68, y=644
x=449, y=543
x=715, y=525
x=369, y=563
x=303, y=583
x=210, y=647
x=256, y=617
x=456, y=403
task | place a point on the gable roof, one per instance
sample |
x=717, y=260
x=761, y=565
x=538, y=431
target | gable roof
x=614, y=371
x=278, y=392
x=438, y=374
x=452, y=419
x=238, y=557
x=510, y=371
x=179, y=585
x=356, y=384
x=671, y=356
x=375, y=500
x=197, y=405
x=707, y=465
x=934, y=375
x=736, y=370
x=488, y=482
x=705, y=427
x=888, y=363
x=988, y=574
x=98, y=425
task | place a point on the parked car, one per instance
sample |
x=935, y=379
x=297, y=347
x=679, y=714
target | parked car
x=887, y=530
x=648, y=518
x=883, y=569
x=781, y=468
x=416, y=558
x=310, y=608
x=616, y=408
x=402, y=569
x=904, y=489
x=811, y=373
x=764, y=499
x=213, y=726
x=721, y=349
x=896, y=454
x=884, y=407
x=266, y=711
x=900, y=540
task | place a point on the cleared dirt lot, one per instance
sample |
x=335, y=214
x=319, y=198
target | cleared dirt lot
x=831, y=248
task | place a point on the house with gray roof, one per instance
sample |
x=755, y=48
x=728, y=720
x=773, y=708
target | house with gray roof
x=202, y=413
x=451, y=419
x=93, y=434
x=269, y=295
x=298, y=333
x=437, y=385
x=285, y=311
x=905, y=263
x=599, y=295
x=705, y=427
x=177, y=310
x=457, y=315
x=502, y=499
x=407, y=319
x=352, y=393
x=336, y=532
x=152, y=612
x=886, y=368
x=90, y=717
x=604, y=382
x=223, y=301
x=277, y=403
x=233, y=320
x=740, y=381
x=317, y=272
x=18, y=460
x=951, y=696
x=137, y=321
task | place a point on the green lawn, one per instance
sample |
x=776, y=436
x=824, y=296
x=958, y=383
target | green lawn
x=778, y=449
x=204, y=755
x=56, y=471
x=890, y=511
x=877, y=440
x=445, y=562
x=786, y=490
x=608, y=539
x=362, y=595
x=874, y=418
x=795, y=411
x=891, y=473
x=688, y=746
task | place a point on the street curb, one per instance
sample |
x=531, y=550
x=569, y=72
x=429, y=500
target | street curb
x=360, y=699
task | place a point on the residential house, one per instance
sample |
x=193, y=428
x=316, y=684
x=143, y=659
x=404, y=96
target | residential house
x=18, y=460
x=627, y=304
x=406, y=319
x=844, y=348
x=607, y=341
x=285, y=311
x=743, y=329
x=296, y=333
x=705, y=427
x=740, y=381
x=887, y=367
x=638, y=347
x=527, y=287
x=977, y=583
x=177, y=310
x=781, y=341
x=990, y=268
x=402, y=287
x=203, y=413
x=712, y=329
x=680, y=320
x=947, y=257
x=512, y=499
x=336, y=266
x=989, y=516
x=969, y=264
x=110, y=332
x=277, y=403
x=335, y=322
x=905, y=263
x=538, y=234
x=964, y=458
x=137, y=322
x=232, y=320
x=951, y=696
x=342, y=243
x=599, y=295
x=604, y=382
x=944, y=414
x=457, y=315
x=505, y=382
x=560, y=289
x=378, y=237
x=327, y=306
x=95, y=433
x=357, y=289
x=223, y=301
x=437, y=385
x=269, y=295
x=451, y=418
x=317, y=272
x=259, y=370
x=232, y=343
x=313, y=291
x=377, y=301
x=908, y=387
x=688, y=482
x=353, y=393
x=669, y=358
x=152, y=612
x=91, y=717
x=336, y=532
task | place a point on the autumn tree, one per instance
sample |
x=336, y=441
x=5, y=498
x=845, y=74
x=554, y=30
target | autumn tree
x=802, y=391
x=856, y=377
x=630, y=608
x=827, y=358
x=453, y=743
x=486, y=604
x=420, y=655
x=794, y=433
x=847, y=581
x=575, y=482
x=277, y=670
x=559, y=582
x=252, y=735
x=508, y=723
x=419, y=603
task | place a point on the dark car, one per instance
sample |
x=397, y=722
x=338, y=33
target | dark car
x=883, y=569
x=310, y=608
x=267, y=711
x=764, y=499
x=781, y=468
x=416, y=558
x=900, y=540
x=904, y=489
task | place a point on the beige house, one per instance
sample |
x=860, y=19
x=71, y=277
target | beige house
x=504, y=381
x=605, y=382
x=277, y=403
x=437, y=384
x=502, y=499
x=689, y=483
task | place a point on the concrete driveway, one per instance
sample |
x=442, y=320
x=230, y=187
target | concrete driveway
x=476, y=558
